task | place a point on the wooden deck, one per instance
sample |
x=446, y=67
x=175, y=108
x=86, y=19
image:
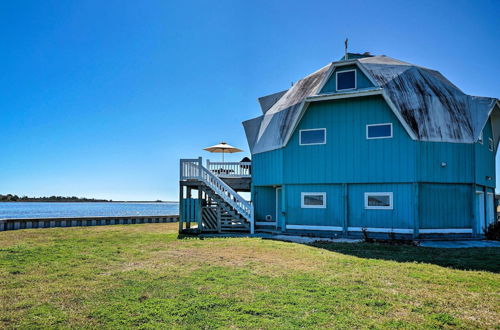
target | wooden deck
x=209, y=196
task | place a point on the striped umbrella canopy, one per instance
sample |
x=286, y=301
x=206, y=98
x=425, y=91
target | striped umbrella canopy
x=223, y=148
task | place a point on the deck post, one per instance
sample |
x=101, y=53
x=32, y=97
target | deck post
x=252, y=220
x=188, y=195
x=200, y=197
x=181, y=218
x=219, y=219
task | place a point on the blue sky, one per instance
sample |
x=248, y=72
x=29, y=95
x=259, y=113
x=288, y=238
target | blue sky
x=101, y=98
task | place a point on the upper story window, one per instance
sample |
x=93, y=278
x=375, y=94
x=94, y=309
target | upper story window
x=313, y=200
x=481, y=138
x=346, y=80
x=379, y=131
x=491, y=145
x=312, y=136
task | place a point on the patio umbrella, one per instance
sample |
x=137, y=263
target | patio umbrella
x=223, y=147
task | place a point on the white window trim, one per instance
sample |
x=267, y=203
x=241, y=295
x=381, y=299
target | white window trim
x=303, y=194
x=337, y=80
x=480, y=140
x=390, y=207
x=379, y=137
x=311, y=129
x=305, y=227
x=491, y=146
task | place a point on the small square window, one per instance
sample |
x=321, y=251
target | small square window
x=312, y=136
x=378, y=201
x=313, y=200
x=379, y=131
x=346, y=80
x=491, y=145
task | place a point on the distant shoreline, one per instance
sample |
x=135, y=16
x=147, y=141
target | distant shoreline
x=83, y=201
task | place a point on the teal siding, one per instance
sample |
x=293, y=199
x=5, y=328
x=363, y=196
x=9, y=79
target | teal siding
x=485, y=159
x=265, y=200
x=332, y=215
x=401, y=216
x=426, y=194
x=459, y=159
x=347, y=156
x=465, y=163
x=361, y=80
x=190, y=209
x=445, y=206
x=267, y=168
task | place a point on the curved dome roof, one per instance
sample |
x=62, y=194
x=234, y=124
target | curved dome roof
x=428, y=105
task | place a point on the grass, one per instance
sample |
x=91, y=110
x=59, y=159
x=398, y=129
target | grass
x=144, y=276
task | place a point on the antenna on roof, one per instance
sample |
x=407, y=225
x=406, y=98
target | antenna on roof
x=345, y=48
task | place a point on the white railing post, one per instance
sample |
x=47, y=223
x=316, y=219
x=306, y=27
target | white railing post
x=200, y=165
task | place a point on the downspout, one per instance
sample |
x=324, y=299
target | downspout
x=474, y=188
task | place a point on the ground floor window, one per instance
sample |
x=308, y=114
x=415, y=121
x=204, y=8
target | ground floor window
x=313, y=200
x=378, y=201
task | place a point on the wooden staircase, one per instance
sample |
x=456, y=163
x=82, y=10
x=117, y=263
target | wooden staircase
x=218, y=208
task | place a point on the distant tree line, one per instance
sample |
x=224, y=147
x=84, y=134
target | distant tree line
x=15, y=198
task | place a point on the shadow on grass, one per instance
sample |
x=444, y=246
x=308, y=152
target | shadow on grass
x=479, y=259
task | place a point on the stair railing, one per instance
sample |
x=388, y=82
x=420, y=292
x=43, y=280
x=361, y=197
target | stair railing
x=194, y=169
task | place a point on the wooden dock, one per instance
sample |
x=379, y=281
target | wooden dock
x=30, y=223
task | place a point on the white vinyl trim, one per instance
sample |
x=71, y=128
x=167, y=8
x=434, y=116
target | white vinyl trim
x=302, y=205
x=446, y=231
x=379, y=137
x=266, y=223
x=337, y=80
x=304, y=227
x=311, y=129
x=382, y=230
x=390, y=207
x=480, y=140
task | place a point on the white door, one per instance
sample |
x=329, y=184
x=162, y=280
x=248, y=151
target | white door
x=480, y=214
x=490, y=209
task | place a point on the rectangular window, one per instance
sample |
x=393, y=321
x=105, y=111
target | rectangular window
x=346, y=80
x=313, y=200
x=481, y=138
x=491, y=145
x=378, y=201
x=312, y=136
x=379, y=131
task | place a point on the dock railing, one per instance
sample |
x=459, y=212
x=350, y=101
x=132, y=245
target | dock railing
x=230, y=169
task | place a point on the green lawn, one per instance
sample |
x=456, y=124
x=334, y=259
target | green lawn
x=144, y=276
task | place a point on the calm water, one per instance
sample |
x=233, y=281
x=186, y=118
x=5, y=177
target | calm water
x=58, y=210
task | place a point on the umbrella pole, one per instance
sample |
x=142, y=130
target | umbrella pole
x=223, y=156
